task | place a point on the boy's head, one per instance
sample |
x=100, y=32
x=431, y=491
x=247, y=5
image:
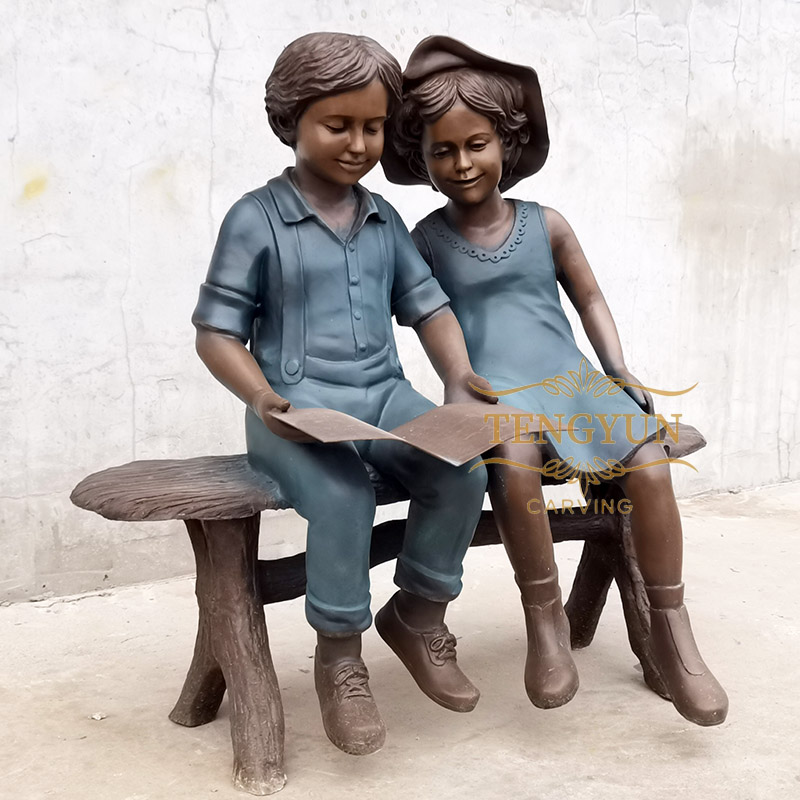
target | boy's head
x=497, y=97
x=319, y=65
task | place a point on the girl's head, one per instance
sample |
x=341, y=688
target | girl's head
x=444, y=74
x=319, y=65
x=495, y=97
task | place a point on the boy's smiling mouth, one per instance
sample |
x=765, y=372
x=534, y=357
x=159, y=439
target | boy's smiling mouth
x=351, y=165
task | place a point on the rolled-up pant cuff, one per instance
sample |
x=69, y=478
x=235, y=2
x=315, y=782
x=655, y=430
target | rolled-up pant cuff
x=337, y=620
x=425, y=582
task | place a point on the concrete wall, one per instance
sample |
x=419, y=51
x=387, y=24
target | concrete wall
x=129, y=128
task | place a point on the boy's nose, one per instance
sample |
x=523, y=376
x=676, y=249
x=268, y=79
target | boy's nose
x=357, y=143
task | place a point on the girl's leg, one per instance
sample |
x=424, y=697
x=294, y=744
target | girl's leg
x=658, y=541
x=551, y=678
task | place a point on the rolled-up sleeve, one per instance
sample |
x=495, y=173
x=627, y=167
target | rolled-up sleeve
x=231, y=294
x=416, y=294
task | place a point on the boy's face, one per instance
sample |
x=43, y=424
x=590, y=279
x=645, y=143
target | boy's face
x=340, y=138
x=464, y=155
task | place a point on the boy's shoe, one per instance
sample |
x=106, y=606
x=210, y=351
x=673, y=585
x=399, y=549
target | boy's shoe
x=349, y=714
x=430, y=657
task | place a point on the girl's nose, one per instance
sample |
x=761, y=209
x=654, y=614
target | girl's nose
x=463, y=161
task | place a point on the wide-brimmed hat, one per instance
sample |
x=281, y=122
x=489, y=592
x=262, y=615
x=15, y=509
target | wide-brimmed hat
x=439, y=53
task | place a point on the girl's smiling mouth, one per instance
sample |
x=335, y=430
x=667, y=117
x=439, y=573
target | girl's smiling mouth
x=466, y=183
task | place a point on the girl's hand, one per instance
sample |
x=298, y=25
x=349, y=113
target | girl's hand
x=267, y=404
x=641, y=397
x=460, y=391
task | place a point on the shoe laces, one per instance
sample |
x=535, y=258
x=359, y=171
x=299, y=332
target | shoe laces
x=443, y=645
x=352, y=680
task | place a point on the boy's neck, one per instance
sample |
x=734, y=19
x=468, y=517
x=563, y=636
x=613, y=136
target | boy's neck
x=335, y=203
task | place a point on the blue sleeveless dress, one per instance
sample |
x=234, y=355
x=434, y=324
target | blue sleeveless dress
x=517, y=334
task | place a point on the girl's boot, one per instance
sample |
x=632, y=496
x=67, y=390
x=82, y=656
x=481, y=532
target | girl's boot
x=551, y=678
x=695, y=692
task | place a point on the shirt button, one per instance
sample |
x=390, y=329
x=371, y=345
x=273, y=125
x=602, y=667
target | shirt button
x=362, y=347
x=357, y=314
x=354, y=280
x=351, y=247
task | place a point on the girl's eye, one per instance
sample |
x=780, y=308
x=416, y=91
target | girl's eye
x=478, y=145
x=374, y=131
x=335, y=128
x=439, y=153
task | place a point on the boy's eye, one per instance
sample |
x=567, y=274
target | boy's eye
x=374, y=130
x=478, y=145
x=334, y=128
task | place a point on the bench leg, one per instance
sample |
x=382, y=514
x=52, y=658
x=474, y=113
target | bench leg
x=588, y=594
x=238, y=636
x=204, y=686
x=636, y=606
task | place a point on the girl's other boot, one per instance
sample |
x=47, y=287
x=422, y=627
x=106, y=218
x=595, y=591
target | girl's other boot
x=695, y=692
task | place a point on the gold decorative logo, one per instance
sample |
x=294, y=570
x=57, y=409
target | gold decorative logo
x=590, y=472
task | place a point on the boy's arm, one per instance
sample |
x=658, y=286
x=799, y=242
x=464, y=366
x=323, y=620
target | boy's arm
x=418, y=301
x=443, y=341
x=231, y=363
x=226, y=307
x=576, y=277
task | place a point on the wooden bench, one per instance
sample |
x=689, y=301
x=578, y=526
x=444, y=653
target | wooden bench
x=221, y=499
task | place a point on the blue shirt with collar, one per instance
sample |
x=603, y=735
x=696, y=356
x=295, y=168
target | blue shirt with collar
x=328, y=307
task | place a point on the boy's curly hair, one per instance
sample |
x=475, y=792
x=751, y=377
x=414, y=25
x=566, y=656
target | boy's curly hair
x=498, y=97
x=318, y=65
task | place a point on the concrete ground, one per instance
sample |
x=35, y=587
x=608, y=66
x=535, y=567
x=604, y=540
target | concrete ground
x=122, y=656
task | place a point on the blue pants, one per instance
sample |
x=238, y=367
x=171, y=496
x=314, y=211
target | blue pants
x=329, y=486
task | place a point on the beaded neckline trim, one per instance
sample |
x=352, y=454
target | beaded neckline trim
x=457, y=242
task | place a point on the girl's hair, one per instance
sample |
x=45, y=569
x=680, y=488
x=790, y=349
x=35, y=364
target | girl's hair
x=318, y=65
x=495, y=96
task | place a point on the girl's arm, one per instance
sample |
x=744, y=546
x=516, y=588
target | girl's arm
x=576, y=277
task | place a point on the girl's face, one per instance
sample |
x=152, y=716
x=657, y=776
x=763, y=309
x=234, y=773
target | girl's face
x=464, y=155
x=340, y=138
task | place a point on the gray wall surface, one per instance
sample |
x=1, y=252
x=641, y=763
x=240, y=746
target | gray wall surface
x=130, y=128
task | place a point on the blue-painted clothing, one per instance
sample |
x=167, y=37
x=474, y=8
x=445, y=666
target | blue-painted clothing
x=517, y=334
x=316, y=309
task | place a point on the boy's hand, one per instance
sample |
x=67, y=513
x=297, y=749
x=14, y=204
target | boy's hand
x=267, y=404
x=460, y=390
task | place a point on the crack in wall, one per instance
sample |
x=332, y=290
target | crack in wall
x=216, y=47
x=125, y=336
x=15, y=133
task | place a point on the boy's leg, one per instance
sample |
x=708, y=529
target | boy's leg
x=329, y=486
x=445, y=507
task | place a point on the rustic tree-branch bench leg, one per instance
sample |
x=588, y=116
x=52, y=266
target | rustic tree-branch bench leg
x=227, y=594
x=204, y=686
x=635, y=605
x=589, y=591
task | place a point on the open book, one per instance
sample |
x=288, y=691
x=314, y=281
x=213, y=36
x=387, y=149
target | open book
x=454, y=433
